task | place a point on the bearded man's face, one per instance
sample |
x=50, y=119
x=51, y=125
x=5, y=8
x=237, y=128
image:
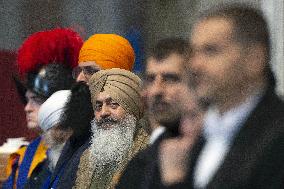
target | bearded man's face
x=108, y=112
x=110, y=145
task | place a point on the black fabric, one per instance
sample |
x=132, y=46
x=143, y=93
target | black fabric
x=143, y=167
x=21, y=89
x=45, y=81
x=77, y=116
x=39, y=176
x=69, y=161
x=255, y=159
x=78, y=112
x=49, y=79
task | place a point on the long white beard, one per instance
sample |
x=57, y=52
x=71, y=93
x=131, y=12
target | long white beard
x=53, y=155
x=109, y=147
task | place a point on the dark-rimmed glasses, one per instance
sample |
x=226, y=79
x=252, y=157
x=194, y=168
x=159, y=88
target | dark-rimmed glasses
x=87, y=71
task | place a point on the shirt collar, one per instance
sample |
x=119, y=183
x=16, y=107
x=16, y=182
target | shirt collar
x=156, y=133
x=217, y=126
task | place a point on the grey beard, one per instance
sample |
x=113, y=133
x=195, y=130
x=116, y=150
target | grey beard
x=53, y=155
x=110, y=147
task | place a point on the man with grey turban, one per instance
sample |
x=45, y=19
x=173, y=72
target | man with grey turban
x=116, y=134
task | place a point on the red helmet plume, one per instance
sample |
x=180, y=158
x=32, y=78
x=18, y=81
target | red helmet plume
x=60, y=45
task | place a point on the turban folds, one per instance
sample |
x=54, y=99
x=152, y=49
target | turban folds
x=108, y=51
x=123, y=86
x=51, y=110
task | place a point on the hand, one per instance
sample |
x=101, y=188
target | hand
x=174, y=153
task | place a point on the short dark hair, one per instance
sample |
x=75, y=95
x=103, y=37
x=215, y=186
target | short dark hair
x=166, y=47
x=249, y=24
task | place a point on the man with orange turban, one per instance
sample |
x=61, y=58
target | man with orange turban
x=104, y=51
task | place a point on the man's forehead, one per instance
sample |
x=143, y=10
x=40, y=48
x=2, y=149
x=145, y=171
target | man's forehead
x=210, y=30
x=30, y=94
x=172, y=64
x=104, y=96
x=89, y=63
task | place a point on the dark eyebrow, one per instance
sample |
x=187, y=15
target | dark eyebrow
x=99, y=102
x=171, y=75
x=149, y=77
x=149, y=74
x=109, y=99
x=34, y=97
x=212, y=46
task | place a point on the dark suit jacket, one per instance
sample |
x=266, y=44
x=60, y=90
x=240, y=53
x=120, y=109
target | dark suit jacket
x=143, y=167
x=255, y=159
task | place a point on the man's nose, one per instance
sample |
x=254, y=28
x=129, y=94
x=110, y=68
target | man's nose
x=28, y=108
x=196, y=61
x=105, y=112
x=81, y=77
x=157, y=88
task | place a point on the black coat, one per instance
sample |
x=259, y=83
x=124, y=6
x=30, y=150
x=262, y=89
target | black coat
x=143, y=167
x=39, y=176
x=255, y=159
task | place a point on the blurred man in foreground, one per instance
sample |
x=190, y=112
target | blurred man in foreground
x=165, y=88
x=241, y=145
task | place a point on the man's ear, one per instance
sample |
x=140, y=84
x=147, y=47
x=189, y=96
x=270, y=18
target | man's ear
x=256, y=59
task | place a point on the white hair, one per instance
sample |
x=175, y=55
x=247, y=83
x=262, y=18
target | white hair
x=110, y=147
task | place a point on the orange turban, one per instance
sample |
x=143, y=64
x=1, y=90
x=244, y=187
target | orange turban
x=108, y=51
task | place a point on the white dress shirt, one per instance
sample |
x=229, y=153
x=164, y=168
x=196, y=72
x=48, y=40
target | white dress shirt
x=219, y=132
x=156, y=133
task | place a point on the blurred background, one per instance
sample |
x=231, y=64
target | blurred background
x=142, y=22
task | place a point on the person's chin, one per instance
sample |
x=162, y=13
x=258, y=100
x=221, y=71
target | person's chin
x=33, y=126
x=169, y=121
x=202, y=95
x=201, y=91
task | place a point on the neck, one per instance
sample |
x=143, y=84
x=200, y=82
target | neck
x=225, y=103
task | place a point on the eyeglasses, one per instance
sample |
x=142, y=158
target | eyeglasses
x=87, y=71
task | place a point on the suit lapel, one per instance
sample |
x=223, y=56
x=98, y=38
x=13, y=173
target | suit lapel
x=247, y=146
x=194, y=153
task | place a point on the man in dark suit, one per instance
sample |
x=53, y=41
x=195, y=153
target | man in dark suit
x=242, y=142
x=165, y=86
